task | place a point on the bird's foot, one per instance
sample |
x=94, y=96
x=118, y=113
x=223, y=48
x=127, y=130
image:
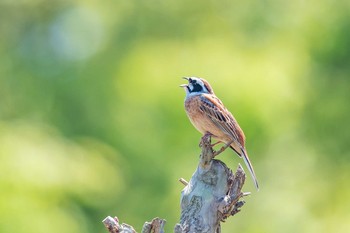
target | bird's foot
x=205, y=137
x=222, y=149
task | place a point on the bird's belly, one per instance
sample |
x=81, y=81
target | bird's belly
x=202, y=122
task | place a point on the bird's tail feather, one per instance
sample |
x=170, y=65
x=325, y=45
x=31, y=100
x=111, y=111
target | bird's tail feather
x=250, y=167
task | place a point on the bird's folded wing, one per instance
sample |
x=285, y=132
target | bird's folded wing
x=221, y=117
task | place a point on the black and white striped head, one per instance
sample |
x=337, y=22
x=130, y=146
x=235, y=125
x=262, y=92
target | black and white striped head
x=197, y=86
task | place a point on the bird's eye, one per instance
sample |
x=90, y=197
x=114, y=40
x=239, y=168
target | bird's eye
x=190, y=80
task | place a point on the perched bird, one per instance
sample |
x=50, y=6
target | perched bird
x=209, y=116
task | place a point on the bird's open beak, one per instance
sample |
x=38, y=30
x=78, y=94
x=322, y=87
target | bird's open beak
x=184, y=85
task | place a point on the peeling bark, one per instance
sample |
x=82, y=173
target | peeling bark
x=113, y=226
x=211, y=196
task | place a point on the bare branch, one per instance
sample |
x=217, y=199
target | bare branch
x=183, y=181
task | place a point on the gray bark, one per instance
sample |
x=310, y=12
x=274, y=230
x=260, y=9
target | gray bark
x=211, y=196
x=113, y=226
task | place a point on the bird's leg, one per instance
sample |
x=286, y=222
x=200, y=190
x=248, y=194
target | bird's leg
x=207, y=134
x=223, y=148
x=212, y=145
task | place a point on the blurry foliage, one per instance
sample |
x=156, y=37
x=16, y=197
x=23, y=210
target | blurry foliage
x=328, y=103
x=92, y=120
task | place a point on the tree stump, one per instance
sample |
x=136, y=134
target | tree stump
x=209, y=198
x=212, y=194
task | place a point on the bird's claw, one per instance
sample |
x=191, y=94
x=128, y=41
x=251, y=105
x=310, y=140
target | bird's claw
x=205, y=137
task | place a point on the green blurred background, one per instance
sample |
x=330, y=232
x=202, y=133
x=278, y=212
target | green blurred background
x=92, y=120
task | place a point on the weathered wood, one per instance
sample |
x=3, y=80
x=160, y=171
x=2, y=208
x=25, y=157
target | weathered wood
x=211, y=196
x=113, y=226
x=155, y=226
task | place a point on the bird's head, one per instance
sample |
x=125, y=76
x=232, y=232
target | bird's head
x=197, y=86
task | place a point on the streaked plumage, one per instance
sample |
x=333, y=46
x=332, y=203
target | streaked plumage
x=208, y=115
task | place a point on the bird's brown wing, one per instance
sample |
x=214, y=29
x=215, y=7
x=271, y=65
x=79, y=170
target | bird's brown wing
x=222, y=118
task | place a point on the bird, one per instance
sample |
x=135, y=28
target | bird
x=208, y=115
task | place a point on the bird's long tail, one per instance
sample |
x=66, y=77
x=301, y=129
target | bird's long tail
x=249, y=165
